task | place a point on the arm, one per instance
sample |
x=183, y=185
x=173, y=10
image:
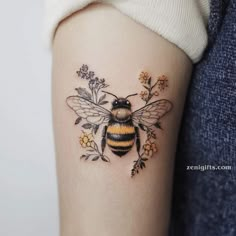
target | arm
x=96, y=197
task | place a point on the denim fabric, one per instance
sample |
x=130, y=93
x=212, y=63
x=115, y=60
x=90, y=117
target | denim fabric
x=204, y=202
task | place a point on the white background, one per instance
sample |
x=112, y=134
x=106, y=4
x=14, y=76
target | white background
x=28, y=193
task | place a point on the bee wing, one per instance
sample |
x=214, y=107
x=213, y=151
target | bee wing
x=151, y=113
x=88, y=110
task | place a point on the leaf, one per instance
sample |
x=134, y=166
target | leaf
x=149, y=81
x=103, y=102
x=85, y=156
x=142, y=127
x=158, y=125
x=95, y=128
x=144, y=159
x=78, y=120
x=105, y=159
x=145, y=87
x=84, y=93
x=101, y=98
x=90, y=150
x=95, y=158
x=87, y=126
x=142, y=165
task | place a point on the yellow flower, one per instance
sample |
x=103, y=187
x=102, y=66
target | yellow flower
x=144, y=95
x=149, y=148
x=144, y=77
x=86, y=140
x=162, y=82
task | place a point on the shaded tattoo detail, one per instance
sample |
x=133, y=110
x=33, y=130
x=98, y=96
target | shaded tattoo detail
x=87, y=141
x=151, y=89
x=121, y=126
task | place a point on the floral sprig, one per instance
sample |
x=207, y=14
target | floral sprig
x=162, y=82
x=87, y=141
x=150, y=146
x=148, y=149
x=146, y=81
x=93, y=94
x=95, y=85
x=152, y=89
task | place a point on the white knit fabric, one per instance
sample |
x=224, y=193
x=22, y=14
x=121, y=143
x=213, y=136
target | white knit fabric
x=182, y=22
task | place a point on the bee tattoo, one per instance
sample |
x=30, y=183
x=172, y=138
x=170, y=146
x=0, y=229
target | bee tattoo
x=121, y=125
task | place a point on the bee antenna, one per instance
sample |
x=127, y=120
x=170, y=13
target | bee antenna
x=110, y=94
x=131, y=95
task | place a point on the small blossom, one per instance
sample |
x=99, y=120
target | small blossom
x=93, y=83
x=162, y=82
x=144, y=95
x=83, y=72
x=84, y=68
x=156, y=93
x=149, y=148
x=90, y=75
x=86, y=140
x=144, y=77
x=102, y=81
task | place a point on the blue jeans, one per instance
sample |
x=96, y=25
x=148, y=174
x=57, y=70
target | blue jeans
x=204, y=202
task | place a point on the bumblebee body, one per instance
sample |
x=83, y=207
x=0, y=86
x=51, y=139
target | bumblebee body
x=120, y=137
x=120, y=132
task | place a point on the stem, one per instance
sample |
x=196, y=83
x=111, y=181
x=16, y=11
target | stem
x=93, y=95
x=96, y=95
x=138, y=160
x=154, y=85
x=98, y=89
x=96, y=149
x=149, y=94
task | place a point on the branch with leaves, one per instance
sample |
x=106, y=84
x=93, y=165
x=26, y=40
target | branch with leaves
x=92, y=94
x=152, y=89
x=149, y=147
x=87, y=141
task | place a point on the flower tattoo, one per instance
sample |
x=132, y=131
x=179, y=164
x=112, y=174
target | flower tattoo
x=149, y=148
x=144, y=77
x=86, y=140
x=120, y=125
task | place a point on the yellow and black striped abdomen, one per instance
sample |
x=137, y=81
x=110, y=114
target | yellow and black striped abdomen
x=120, y=138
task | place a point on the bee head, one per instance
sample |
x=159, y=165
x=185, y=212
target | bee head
x=121, y=103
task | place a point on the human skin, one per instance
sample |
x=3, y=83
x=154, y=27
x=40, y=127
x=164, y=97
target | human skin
x=96, y=197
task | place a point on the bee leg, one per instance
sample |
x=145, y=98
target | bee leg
x=137, y=140
x=103, y=143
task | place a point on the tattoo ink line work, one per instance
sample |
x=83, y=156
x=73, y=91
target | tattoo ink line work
x=121, y=126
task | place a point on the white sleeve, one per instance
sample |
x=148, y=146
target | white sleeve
x=182, y=22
